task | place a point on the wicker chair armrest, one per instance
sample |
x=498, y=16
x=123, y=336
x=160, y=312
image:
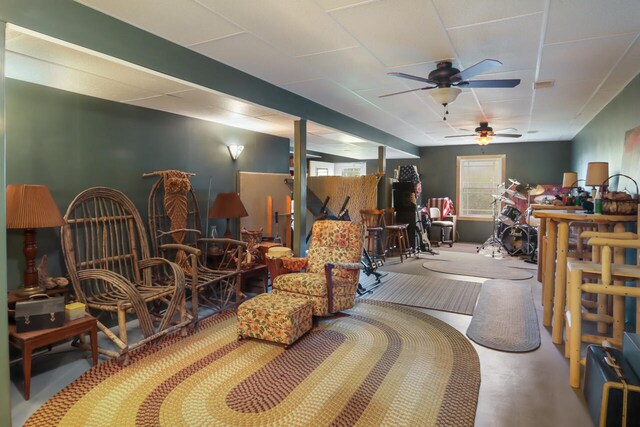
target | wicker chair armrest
x=123, y=285
x=223, y=241
x=609, y=234
x=617, y=243
x=178, y=272
x=186, y=248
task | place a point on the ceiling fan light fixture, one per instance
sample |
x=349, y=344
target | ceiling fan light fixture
x=445, y=95
x=483, y=140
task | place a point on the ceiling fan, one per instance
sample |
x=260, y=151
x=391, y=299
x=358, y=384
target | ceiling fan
x=484, y=133
x=445, y=81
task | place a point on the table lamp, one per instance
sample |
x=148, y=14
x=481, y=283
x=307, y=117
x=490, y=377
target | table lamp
x=569, y=179
x=227, y=205
x=30, y=207
x=597, y=174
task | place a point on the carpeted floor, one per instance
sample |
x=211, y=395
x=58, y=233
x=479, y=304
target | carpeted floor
x=427, y=292
x=380, y=364
x=505, y=317
x=479, y=269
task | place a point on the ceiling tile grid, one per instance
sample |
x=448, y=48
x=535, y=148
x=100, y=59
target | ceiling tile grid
x=337, y=53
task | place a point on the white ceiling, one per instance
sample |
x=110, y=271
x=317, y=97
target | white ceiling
x=337, y=53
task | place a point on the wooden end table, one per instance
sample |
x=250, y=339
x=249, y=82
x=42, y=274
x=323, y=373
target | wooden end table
x=29, y=341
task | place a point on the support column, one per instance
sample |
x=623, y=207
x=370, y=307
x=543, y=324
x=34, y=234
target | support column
x=382, y=167
x=5, y=400
x=300, y=187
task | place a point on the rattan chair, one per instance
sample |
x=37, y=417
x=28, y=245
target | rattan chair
x=178, y=238
x=107, y=257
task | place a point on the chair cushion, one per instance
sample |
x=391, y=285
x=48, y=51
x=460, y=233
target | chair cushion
x=442, y=223
x=309, y=284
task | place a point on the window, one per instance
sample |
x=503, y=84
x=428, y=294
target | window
x=478, y=177
x=322, y=171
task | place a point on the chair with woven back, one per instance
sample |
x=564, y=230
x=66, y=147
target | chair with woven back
x=106, y=253
x=332, y=267
x=175, y=227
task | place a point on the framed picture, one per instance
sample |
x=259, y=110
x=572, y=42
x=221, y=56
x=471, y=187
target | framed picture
x=630, y=158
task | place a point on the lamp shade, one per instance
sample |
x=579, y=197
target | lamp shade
x=227, y=205
x=31, y=206
x=445, y=95
x=597, y=173
x=235, y=151
x=569, y=179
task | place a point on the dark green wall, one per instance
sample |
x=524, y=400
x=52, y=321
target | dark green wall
x=71, y=142
x=602, y=140
x=531, y=162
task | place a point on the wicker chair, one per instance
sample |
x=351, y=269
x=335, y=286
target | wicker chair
x=180, y=241
x=332, y=268
x=107, y=256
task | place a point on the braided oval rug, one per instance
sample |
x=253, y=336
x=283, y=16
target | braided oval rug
x=379, y=364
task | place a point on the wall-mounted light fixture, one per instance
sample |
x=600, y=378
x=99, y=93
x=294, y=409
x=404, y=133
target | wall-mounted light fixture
x=235, y=151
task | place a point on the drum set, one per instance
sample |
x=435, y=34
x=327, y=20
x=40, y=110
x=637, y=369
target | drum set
x=510, y=230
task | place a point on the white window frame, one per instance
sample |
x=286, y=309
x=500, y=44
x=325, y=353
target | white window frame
x=488, y=187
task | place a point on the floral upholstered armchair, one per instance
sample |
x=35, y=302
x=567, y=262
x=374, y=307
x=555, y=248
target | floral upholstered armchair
x=330, y=279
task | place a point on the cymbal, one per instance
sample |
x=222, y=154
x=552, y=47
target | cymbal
x=537, y=190
x=509, y=202
x=514, y=181
x=500, y=198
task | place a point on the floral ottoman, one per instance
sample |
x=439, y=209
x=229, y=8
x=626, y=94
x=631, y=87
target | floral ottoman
x=278, y=318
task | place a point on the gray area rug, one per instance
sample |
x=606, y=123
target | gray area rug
x=505, y=317
x=490, y=270
x=421, y=291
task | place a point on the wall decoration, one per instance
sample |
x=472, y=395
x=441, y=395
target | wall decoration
x=631, y=154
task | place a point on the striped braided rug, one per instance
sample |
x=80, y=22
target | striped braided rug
x=379, y=364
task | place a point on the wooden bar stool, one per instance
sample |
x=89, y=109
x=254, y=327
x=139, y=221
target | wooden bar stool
x=373, y=219
x=397, y=238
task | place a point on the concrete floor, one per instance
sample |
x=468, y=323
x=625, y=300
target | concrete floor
x=517, y=389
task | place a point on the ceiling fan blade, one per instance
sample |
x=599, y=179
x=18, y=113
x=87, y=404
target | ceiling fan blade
x=505, y=83
x=508, y=135
x=405, y=91
x=481, y=67
x=412, y=77
x=460, y=136
x=504, y=129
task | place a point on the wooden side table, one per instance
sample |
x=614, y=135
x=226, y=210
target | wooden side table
x=28, y=341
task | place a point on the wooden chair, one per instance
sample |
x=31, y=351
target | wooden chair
x=373, y=220
x=178, y=238
x=107, y=256
x=332, y=268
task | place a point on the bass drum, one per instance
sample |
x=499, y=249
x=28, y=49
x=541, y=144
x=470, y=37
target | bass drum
x=520, y=240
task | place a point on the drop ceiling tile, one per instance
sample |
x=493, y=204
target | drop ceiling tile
x=253, y=56
x=398, y=32
x=338, y=4
x=407, y=106
x=569, y=62
x=513, y=42
x=455, y=13
x=625, y=70
x=571, y=20
x=353, y=68
x=327, y=93
x=28, y=69
x=294, y=27
x=184, y=22
x=504, y=109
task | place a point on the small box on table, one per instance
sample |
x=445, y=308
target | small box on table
x=74, y=310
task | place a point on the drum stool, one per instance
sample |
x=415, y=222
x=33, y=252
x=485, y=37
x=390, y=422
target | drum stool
x=373, y=219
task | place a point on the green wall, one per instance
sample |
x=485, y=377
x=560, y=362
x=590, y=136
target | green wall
x=71, y=142
x=529, y=162
x=602, y=140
